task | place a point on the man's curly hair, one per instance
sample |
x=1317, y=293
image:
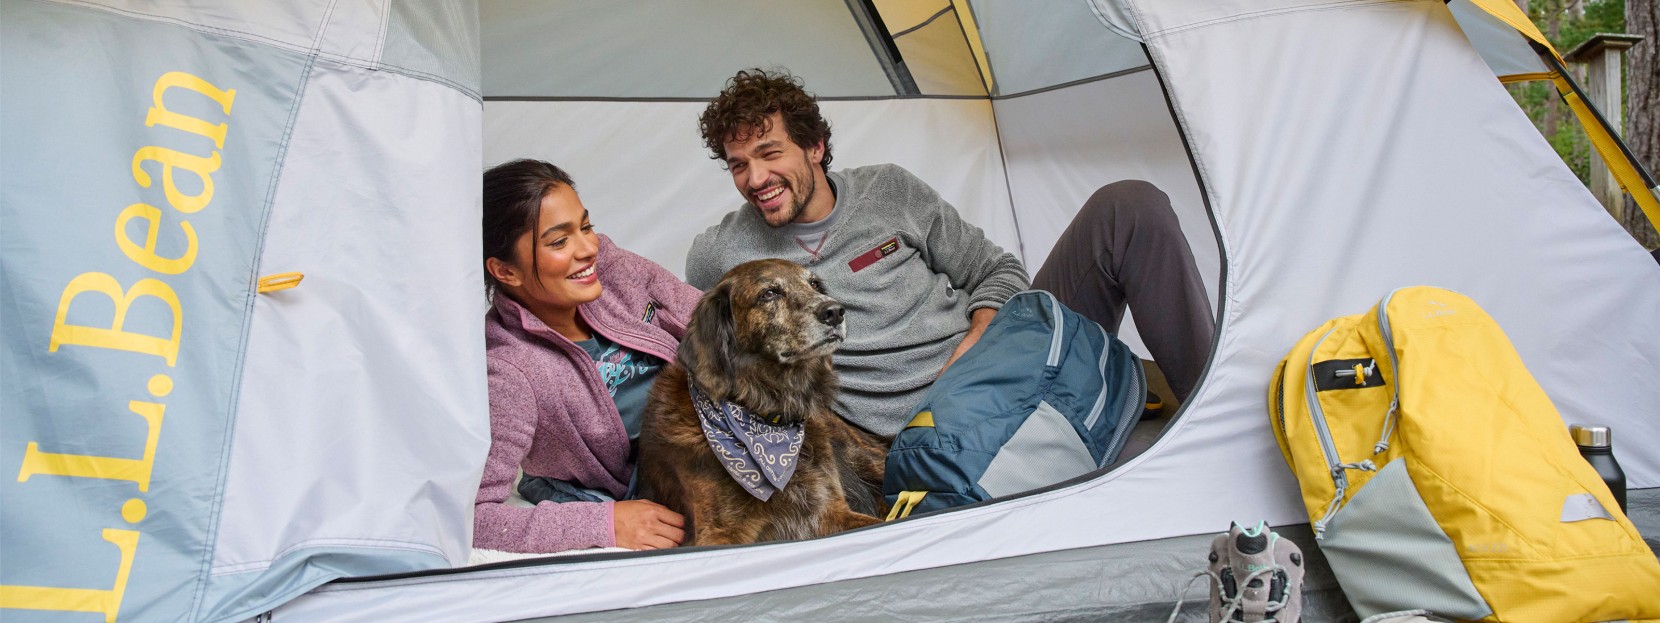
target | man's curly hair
x=747, y=101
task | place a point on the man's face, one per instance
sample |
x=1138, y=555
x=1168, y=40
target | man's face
x=777, y=176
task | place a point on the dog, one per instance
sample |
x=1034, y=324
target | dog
x=756, y=356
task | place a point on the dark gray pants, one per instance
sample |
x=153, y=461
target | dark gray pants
x=1126, y=249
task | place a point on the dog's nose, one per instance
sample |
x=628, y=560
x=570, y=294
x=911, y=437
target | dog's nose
x=831, y=313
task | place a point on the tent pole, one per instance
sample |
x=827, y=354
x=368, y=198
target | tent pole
x=1633, y=177
x=883, y=46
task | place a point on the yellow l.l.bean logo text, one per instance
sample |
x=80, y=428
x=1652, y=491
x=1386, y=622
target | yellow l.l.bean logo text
x=38, y=462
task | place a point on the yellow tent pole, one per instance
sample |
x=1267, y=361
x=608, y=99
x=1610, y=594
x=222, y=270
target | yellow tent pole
x=1627, y=171
x=1620, y=162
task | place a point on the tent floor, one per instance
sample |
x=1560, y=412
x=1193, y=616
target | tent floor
x=1124, y=582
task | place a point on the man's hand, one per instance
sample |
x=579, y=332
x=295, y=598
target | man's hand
x=644, y=524
x=977, y=322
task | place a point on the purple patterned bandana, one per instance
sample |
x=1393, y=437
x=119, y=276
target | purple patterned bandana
x=759, y=455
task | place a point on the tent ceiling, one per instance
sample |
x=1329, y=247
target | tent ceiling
x=644, y=49
x=571, y=48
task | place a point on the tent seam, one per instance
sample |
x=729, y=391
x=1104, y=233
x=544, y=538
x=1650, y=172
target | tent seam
x=924, y=23
x=1329, y=6
x=323, y=29
x=985, y=71
x=356, y=543
x=825, y=98
x=250, y=298
x=231, y=33
x=1008, y=186
x=276, y=600
x=380, y=37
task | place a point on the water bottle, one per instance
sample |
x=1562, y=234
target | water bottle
x=1596, y=446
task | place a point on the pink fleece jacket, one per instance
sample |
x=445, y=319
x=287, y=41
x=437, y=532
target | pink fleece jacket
x=551, y=413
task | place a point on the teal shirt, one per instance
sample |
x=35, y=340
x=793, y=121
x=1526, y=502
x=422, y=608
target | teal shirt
x=627, y=374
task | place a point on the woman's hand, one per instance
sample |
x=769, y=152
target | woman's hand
x=644, y=524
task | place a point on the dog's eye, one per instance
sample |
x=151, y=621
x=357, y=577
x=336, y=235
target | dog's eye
x=769, y=294
x=818, y=285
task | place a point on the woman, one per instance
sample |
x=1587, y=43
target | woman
x=576, y=332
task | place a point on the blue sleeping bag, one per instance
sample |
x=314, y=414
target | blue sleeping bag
x=1044, y=396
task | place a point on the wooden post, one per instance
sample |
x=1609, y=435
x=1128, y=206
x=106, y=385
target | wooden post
x=1603, y=56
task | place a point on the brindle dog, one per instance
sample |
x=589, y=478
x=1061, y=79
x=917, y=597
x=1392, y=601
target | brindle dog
x=761, y=338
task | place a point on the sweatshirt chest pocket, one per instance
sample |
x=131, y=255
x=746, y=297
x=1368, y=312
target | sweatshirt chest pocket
x=881, y=253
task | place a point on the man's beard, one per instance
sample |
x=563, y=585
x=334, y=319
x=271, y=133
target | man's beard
x=799, y=201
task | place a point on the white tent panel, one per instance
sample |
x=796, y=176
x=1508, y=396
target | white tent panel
x=642, y=171
x=348, y=436
x=1326, y=208
x=1064, y=144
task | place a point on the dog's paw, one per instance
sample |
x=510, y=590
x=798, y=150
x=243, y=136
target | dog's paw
x=850, y=520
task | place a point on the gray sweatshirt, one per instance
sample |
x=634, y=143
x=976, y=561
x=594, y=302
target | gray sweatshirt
x=908, y=268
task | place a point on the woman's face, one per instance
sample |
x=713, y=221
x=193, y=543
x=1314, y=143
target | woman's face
x=555, y=264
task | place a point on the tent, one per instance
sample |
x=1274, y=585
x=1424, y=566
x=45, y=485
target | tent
x=269, y=376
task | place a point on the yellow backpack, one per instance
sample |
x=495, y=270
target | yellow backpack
x=1439, y=476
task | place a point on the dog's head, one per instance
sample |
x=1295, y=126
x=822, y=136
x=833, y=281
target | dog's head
x=771, y=313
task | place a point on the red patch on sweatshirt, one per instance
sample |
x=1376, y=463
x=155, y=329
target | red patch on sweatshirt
x=869, y=257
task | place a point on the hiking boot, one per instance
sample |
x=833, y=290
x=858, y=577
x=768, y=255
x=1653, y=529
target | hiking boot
x=1151, y=409
x=1255, y=576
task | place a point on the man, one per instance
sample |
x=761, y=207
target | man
x=920, y=284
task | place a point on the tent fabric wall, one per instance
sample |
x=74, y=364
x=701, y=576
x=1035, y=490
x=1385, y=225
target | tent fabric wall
x=358, y=432
x=334, y=428
x=1390, y=158
x=1417, y=192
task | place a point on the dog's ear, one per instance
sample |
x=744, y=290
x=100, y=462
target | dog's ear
x=709, y=347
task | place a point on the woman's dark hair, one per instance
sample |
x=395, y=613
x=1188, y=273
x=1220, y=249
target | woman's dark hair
x=753, y=95
x=513, y=193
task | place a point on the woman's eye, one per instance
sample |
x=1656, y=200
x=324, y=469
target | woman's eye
x=587, y=227
x=558, y=243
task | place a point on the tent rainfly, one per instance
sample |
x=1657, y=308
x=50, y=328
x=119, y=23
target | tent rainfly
x=242, y=293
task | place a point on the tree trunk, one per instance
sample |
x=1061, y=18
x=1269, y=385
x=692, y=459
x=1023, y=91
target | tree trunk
x=1642, y=105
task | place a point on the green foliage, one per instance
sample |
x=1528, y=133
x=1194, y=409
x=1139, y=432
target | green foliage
x=1601, y=16
x=1539, y=99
